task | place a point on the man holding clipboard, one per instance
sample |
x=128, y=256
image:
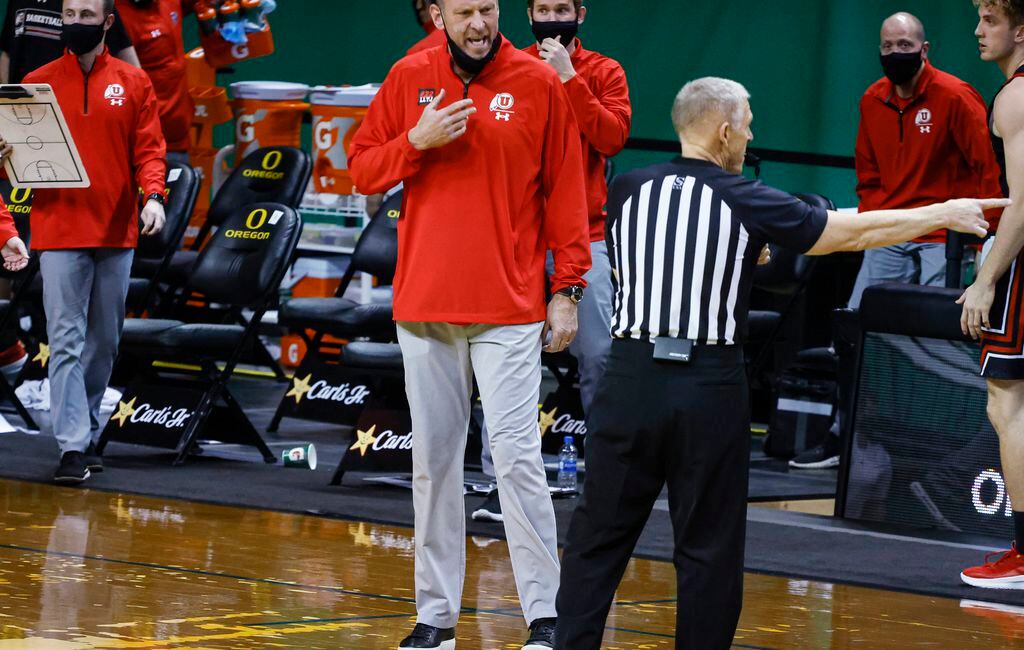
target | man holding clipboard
x=87, y=235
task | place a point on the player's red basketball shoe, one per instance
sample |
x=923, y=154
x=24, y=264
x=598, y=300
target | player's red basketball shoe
x=1005, y=572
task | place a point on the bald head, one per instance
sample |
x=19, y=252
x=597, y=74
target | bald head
x=904, y=23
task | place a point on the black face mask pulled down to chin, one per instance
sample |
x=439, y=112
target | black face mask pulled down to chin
x=565, y=31
x=900, y=67
x=467, y=63
x=82, y=39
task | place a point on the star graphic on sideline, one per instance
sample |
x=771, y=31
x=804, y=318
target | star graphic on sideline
x=43, y=356
x=366, y=438
x=299, y=388
x=546, y=420
x=124, y=411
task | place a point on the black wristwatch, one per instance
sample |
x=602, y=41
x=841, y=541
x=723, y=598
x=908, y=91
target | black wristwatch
x=158, y=197
x=573, y=293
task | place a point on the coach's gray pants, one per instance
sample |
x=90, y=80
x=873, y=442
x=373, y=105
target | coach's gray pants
x=84, y=291
x=440, y=361
x=923, y=264
x=593, y=340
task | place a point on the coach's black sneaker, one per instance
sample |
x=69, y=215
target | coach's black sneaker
x=542, y=635
x=824, y=456
x=92, y=459
x=73, y=469
x=490, y=510
x=428, y=636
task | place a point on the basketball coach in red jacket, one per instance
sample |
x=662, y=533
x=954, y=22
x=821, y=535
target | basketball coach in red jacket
x=485, y=140
x=87, y=236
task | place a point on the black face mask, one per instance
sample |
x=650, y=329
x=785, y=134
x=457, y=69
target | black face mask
x=900, y=67
x=468, y=63
x=563, y=30
x=82, y=39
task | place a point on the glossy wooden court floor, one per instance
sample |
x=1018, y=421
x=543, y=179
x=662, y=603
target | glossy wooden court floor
x=87, y=569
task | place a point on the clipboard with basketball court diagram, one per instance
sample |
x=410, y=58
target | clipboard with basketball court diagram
x=45, y=155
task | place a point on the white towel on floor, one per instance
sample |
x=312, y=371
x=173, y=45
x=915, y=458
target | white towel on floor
x=36, y=395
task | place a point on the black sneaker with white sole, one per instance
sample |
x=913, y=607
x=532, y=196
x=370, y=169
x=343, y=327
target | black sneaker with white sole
x=490, y=510
x=92, y=459
x=542, y=635
x=428, y=636
x=824, y=456
x=73, y=469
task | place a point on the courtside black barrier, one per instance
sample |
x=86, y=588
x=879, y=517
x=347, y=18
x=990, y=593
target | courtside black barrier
x=922, y=453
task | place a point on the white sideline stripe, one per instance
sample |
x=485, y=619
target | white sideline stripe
x=760, y=515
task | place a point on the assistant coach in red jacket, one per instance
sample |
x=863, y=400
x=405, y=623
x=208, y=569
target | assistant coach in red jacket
x=87, y=236
x=484, y=139
x=923, y=139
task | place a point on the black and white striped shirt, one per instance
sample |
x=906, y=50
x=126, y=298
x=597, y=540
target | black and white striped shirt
x=686, y=236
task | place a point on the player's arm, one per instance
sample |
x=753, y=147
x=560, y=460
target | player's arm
x=846, y=231
x=1008, y=116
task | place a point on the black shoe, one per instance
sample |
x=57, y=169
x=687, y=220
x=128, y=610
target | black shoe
x=542, y=635
x=73, y=469
x=428, y=636
x=490, y=510
x=93, y=460
x=824, y=456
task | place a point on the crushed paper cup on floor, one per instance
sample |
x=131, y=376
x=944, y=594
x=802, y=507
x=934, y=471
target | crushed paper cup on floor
x=303, y=457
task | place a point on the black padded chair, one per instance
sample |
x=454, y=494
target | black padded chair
x=376, y=253
x=267, y=175
x=182, y=190
x=242, y=266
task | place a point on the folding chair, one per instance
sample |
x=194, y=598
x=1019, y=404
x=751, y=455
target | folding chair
x=241, y=266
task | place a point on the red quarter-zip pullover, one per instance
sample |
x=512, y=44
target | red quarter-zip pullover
x=113, y=118
x=155, y=30
x=927, y=149
x=479, y=214
x=599, y=96
x=7, y=229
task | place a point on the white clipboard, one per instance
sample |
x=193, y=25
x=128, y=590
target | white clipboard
x=45, y=155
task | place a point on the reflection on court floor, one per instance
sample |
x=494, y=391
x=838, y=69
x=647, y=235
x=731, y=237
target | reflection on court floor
x=88, y=569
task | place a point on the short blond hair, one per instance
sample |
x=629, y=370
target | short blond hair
x=709, y=96
x=1014, y=9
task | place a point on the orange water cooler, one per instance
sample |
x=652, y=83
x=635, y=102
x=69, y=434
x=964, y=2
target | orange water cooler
x=337, y=114
x=267, y=114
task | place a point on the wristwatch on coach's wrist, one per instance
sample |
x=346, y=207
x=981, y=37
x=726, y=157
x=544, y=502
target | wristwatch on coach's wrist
x=158, y=197
x=573, y=293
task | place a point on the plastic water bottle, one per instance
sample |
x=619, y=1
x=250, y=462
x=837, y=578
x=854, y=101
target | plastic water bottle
x=567, y=465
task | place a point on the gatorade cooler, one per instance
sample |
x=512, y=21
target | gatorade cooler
x=337, y=114
x=267, y=114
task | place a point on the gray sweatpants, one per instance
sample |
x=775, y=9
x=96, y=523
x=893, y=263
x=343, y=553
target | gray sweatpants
x=593, y=341
x=440, y=362
x=84, y=291
x=912, y=263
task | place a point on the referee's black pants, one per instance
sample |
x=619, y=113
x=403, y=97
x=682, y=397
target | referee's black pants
x=654, y=422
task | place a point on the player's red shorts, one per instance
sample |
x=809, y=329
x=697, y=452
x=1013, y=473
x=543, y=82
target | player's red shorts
x=1002, y=346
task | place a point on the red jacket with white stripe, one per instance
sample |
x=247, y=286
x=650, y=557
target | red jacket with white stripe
x=112, y=115
x=479, y=214
x=599, y=96
x=928, y=149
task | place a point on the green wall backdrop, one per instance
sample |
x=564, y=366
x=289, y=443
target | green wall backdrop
x=806, y=62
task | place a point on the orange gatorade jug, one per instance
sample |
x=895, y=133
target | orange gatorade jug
x=267, y=114
x=337, y=114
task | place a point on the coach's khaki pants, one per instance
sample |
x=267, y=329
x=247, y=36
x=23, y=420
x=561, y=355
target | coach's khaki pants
x=440, y=362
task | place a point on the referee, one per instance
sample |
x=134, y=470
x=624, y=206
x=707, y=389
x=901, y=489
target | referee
x=673, y=403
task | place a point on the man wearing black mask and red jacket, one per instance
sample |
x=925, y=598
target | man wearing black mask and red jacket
x=923, y=139
x=485, y=141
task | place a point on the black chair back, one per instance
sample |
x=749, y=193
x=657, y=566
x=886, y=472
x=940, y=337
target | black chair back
x=267, y=175
x=182, y=190
x=247, y=257
x=788, y=271
x=376, y=251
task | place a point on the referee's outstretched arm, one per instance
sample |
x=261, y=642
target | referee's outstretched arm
x=857, y=232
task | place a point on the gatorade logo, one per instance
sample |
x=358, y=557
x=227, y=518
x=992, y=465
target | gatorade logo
x=324, y=135
x=240, y=52
x=245, y=129
x=271, y=161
